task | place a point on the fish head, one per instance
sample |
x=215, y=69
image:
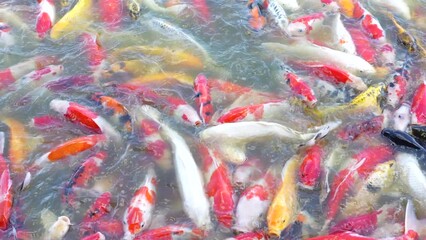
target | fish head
x=297, y=29
x=382, y=176
x=278, y=221
x=402, y=117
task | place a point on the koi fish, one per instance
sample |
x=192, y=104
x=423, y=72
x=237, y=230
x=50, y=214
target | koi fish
x=261, y=111
x=119, y=112
x=257, y=21
x=155, y=145
x=15, y=72
x=95, y=53
x=171, y=232
x=111, y=13
x=83, y=173
x=135, y=68
x=6, y=194
x=174, y=10
x=405, y=38
x=364, y=163
x=59, y=228
x=171, y=56
x=398, y=7
x=138, y=215
x=95, y=236
x=369, y=99
x=164, y=76
x=366, y=198
x=71, y=147
x=81, y=115
x=418, y=108
x=362, y=224
x=76, y=19
x=256, y=197
x=203, y=98
x=364, y=48
x=411, y=235
x=396, y=89
x=411, y=221
x=168, y=28
x=313, y=53
x=246, y=173
x=230, y=139
x=301, y=88
x=188, y=176
x=46, y=17
x=411, y=176
x=291, y=5
x=218, y=187
x=134, y=9
x=402, y=139
x=353, y=131
x=310, y=169
x=336, y=75
x=99, y=208
x=282, y=211
x=278, y=15
x=203, y=10
x=402, y=117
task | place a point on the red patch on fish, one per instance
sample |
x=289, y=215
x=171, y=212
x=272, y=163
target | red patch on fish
x=353, y=131
x=43, y=25
x=80, y=114
x=256, y=191
x=111, y=12
x=418, y=107
x=203, y=98
x=371, y=27
x=310, y=169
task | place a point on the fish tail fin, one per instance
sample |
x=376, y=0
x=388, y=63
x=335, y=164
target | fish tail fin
x=177, y=9
x=411, y=221
x=323, y=131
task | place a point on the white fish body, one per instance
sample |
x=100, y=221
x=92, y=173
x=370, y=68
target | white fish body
x=411, y=221
x=173, y=10
x=290, y=5
x=402, y=117
x=306, y=51
x=278, y=15
x=230, y=139
x=342, y=39
x=189, y=178
x=59, y=228
x=412, y=177
x=399, y=7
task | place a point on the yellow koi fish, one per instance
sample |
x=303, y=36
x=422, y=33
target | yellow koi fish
x=282, y=211
x=369, y=99
x=174, y=57
x=163, y=76
x=134, y=67
x=77, y=18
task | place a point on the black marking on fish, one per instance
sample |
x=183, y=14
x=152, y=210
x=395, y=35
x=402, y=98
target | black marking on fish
x=402, y=139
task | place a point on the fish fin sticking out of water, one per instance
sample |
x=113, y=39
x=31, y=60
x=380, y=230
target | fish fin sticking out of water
x=411, y=221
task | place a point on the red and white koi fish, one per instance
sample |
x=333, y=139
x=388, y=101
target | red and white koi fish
x=396, y=89
x=218, y=187
x=363, y=224
x=15, y=72
x=111, y=13
x=301, y=89
x=302, y=26
x=257, y=198
x=95, y=236
x=250, y=236
x=138, y=215
x=45, y=122
x=310, y=169
x=6, y=38
x=81, y=176
x=247, y=172
x=112, y=227
x=203, y=98
x=190, y=181
x=172, y=232
x=119, y=112
x=308, y=52
x=174, y=106
x=70, y=82
x=364, y=163
x=402, y=117
x=46, y=17
x=261, y=111
x=418, y=107
x=80, y=114
x=71, y=147
x=411, y=221
x=154, y=143
x=95, y=53
x=6, y=194
x=411, y=235
x=335, y=75
x=41, y=75
x=353, y=131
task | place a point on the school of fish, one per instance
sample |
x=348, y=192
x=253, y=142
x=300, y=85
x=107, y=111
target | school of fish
x=126, y=119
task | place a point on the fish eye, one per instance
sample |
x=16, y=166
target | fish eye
x=392, y=84
x=300, y=30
